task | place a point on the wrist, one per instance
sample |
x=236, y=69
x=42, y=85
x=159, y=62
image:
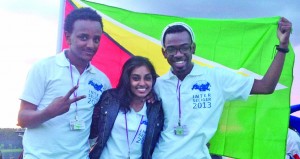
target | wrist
x=282, y=49
x=283, y=44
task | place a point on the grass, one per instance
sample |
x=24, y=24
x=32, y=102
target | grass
x=10, y=150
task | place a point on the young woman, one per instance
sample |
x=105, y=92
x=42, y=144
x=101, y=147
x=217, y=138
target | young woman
x=125, y=124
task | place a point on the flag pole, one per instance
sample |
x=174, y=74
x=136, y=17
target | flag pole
x=60, y=25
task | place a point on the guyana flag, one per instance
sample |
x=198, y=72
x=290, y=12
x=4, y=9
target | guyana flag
x=255, y=129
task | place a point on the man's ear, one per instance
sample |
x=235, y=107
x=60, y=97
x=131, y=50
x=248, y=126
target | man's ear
x=68, y=37
x=163, y=52
x=193, y=48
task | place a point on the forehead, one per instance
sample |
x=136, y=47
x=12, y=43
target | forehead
x=141, y=70
x=87, y=26
x=177, y=38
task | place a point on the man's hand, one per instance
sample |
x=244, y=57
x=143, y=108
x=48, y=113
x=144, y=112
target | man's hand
x=30, y=117
x=150, y=98
x=283, y=32
x=61, y=105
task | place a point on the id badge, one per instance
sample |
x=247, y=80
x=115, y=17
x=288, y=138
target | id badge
x=77, y=125
x=180, y=130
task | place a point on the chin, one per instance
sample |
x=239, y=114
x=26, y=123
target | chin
x=141, y=95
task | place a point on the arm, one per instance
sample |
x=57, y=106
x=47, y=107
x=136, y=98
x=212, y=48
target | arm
x=95, y=122
x=30, y=117
x=101, y=104
x=268, y=83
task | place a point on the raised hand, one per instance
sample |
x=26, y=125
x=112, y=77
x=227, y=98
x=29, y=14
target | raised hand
x=61, y=105
x=283, y=32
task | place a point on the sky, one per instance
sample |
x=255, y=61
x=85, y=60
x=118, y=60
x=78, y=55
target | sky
x=29, y=32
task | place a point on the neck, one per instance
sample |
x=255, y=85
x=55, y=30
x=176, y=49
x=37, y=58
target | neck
x=137, y=104
x=182, y=74
x=79, y=64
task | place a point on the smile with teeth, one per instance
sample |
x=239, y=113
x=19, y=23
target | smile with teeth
x=141, y=89
x=179, y=62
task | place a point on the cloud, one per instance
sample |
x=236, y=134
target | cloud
x=25, y=38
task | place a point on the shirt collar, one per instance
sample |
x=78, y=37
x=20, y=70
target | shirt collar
x=142, y=111
x=196, y=71
x=62, y=60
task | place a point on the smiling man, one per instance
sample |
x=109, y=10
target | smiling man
x=61, y=91
x=193, y=97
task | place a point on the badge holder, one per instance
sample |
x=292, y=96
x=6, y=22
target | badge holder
x=76, y=124
x=180, y=130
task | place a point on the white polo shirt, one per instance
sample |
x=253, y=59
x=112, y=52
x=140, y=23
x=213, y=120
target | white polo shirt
x=51, y=78
x=202, y=96
x=293, y=144
x=117, y=146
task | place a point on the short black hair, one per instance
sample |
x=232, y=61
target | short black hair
x=123, y=86
x=175, y=29
x=81, y=14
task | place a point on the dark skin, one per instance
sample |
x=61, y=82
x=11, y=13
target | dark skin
x=59, y=105
x=182, y=63
x=83, y=42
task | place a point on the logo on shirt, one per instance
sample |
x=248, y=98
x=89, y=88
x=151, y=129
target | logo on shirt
x=96, y=86
x=201, y=96
x=145, y=122
x=142, y=132
x=202, y=86
x=95, y=90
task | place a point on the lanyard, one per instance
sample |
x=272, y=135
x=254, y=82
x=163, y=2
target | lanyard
x=75, y=92
x=134, y=135
x=178, y=98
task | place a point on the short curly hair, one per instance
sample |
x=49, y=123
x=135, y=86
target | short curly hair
x=81, y=14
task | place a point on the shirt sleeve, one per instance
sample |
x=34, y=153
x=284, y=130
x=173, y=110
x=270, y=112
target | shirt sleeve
x=234, y=85
x=34, y=87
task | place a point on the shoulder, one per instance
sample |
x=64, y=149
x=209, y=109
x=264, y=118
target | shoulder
x=42, y=65
x=98, y=72
x=217, y=71
x=101, y=76
x=45, y=61
x=156, y=105
x=110, y=93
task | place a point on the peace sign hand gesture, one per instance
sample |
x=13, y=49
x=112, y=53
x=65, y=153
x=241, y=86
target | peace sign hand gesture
x=61, y=105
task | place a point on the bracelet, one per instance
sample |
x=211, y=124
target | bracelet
x=283, y=50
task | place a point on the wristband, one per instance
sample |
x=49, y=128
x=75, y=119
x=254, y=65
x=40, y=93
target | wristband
x=283, y=50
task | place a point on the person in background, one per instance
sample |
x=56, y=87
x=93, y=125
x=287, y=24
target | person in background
x=126, y=125
x=293, y=137
x=61, y=91
x=293, y=144
x=193, y=96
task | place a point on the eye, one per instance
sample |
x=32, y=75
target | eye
x=135, y=77
x=185, y=48
x=171, y=49
x=148, y=77
x=83, y=37
x=96, y=39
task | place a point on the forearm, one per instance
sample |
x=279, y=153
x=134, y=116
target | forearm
x=268, y=83
x=32, y=118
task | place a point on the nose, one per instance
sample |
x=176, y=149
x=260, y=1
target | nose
x=142, y=82
x=90, y=43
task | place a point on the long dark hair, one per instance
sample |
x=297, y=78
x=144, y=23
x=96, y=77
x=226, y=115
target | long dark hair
x=123, y=87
